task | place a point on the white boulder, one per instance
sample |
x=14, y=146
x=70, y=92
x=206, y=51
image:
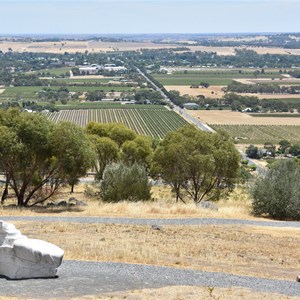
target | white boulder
x=21, y=257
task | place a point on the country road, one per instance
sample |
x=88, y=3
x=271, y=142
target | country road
x=260, y=170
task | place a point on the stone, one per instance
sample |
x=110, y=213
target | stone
x=21, y=257
x=208, y=205
x=156, y=227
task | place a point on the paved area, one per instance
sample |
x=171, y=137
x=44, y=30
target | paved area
x=79, y=278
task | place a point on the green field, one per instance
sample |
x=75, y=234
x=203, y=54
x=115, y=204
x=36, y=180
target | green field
x=212, y=77
x=152, y=122
x=270, y=115
x=285, y=100
x=83, y=80
x=260, y=134
x=31, y=92
x=104, y=105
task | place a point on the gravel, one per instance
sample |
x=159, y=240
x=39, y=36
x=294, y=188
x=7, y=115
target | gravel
x=79, y=278
x=135, y=221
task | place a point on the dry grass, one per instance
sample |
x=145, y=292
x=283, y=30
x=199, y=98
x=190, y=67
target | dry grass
x=190, y=293
x=243, y=250
x=163, y=206
x=218, y=117
x=80, y=46
x=207, y=92
x=182, y=293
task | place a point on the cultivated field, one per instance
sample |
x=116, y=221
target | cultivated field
x=254, y=134
x=152, y=122
x=213, y=77
x=225, y=117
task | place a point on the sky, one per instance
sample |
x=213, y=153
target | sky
x=148, y=16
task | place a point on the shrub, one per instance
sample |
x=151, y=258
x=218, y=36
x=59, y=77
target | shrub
x=277, y=195
x=121, y=182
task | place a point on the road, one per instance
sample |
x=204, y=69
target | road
x=260, y=170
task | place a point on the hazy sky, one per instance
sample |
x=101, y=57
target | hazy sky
x=149, y=16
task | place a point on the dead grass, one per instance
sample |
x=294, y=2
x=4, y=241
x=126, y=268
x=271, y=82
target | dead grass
x=243, y=250
x=238, y=205
x=237, y=118
x=212, y=91
x=190, y=293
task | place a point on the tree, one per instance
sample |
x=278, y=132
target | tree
x=74, y=149
x=107, y=152
x=295, y=150
x=283, y=146
x=121, y=182
x=277, y=195
x=138, y=151
x=37, y=156
x=207, y=163
x=120, y=134
x=253, y=152
x=27, y=158
x=168, y=163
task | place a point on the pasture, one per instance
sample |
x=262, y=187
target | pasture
x=151, y=122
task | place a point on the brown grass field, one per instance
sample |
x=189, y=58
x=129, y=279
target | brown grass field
x=94, y=46
x=207, y=92
x=218, y=93
x=237, y=118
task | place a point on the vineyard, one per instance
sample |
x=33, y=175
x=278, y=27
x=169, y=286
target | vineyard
x=254, y=134
x=151, y=122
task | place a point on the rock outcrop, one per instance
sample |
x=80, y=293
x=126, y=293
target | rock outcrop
x=21, y=257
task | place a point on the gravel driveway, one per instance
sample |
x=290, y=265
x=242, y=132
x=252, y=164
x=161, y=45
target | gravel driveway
x=136, y=221
x=79, y=278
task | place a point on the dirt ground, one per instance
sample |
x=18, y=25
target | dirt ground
x=237, y=118
x=191, y=293
x=243, y=250
x=183, y=293
x=212, y=91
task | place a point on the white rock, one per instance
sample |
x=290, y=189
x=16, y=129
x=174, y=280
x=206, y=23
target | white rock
x=21, y=257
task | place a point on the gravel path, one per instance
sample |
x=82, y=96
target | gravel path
x=79, y=278
x=136, y=221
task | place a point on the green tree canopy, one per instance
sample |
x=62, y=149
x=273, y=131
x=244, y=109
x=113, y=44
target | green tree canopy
x=138, y=151
x=38, y=156
x=107, y=152
x=202, y=164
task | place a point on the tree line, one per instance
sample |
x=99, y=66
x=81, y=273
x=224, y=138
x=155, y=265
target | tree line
x=38, y=157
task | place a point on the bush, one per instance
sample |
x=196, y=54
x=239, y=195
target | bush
x=121, y=182
x=278, y=195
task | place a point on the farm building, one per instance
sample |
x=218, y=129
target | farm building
x=191, y=105
x=92, y=69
